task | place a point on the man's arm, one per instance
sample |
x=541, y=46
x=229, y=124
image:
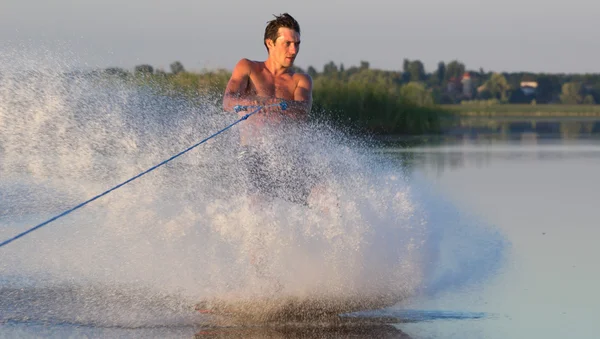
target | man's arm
x=236, y=91
x=237, y=85
x=302, y=103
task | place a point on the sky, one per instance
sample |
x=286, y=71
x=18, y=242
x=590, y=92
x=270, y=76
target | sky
x=503, y=36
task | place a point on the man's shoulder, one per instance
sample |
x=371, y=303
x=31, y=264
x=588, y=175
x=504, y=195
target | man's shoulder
x=245, y=61
x=302, y=78
x=247, y=64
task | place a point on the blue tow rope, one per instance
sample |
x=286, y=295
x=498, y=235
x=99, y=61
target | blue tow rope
x=237, y=109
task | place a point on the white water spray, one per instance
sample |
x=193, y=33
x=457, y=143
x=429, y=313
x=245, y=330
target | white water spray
x=188, y=230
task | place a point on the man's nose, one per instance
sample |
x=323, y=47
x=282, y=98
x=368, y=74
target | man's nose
x=293, y=49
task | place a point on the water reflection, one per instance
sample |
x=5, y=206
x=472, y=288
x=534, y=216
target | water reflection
x=511, y=127
x=479, y=145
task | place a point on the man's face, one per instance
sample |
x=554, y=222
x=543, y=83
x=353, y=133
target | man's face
x=286, y=47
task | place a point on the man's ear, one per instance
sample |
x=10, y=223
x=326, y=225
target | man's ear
x=270, y=43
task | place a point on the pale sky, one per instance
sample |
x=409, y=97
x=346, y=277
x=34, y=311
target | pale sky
x=506, y=35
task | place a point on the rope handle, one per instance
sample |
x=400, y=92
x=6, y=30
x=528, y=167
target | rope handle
x=239, y=108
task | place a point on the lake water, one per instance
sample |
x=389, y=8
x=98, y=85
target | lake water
x=481, y=235
x=542, y=194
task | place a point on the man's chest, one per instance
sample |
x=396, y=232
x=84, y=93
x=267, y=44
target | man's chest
x=280, y=87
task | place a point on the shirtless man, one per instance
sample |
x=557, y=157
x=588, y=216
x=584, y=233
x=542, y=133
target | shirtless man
x=269, y=82
x=266, y=83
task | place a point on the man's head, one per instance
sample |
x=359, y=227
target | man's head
x=282, y=39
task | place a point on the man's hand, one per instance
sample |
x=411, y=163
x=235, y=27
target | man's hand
x=248, y=105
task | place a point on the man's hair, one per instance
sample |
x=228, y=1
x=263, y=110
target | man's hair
x=283, y=20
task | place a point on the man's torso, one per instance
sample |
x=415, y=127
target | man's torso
x=263, y=83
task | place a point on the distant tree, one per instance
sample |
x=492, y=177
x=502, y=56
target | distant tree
x=177, y=67
x=405, y=77
x=312, y=72
x=406, y=66
x=548, y=88
x=436, y=95
x=514, y=79
x=143, y=70
x=441, y=72
x=433, y=81
x=485, y=94
x=416, y=70
x=364, y=65
x=454, y=69
x=498, y=86
x=372, y=77
x=571, y=93
x=528, y=77
x=595, y=92
x=589, y=100
x=116, y=71
x=330, y=68
x=416, y=93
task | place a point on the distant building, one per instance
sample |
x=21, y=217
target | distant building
x=467, y=85
x=529, y=87
x=532, y=84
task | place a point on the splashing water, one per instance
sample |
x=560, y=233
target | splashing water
x=188, y=232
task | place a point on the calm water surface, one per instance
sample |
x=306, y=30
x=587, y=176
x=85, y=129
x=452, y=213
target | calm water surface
x=542, y=195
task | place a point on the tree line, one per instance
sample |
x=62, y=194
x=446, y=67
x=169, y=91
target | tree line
x=396, y=101
x=360, y=98
x=453, y=83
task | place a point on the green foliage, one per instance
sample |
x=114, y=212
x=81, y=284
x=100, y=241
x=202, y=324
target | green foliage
x=368, y=100
x=589, y=100
x=480, y=103
x=374, y=99
x=454, y=69
x=403, y=101
x=143, y=70
x=193, y=86
x=116, y=71
x=414, y=69
x=441, y=73
x=177, y=67
x=209, y=83
x=571, y=93
x=373, y=103
x=498, y=87
x=330, y=69
x=416, y=94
